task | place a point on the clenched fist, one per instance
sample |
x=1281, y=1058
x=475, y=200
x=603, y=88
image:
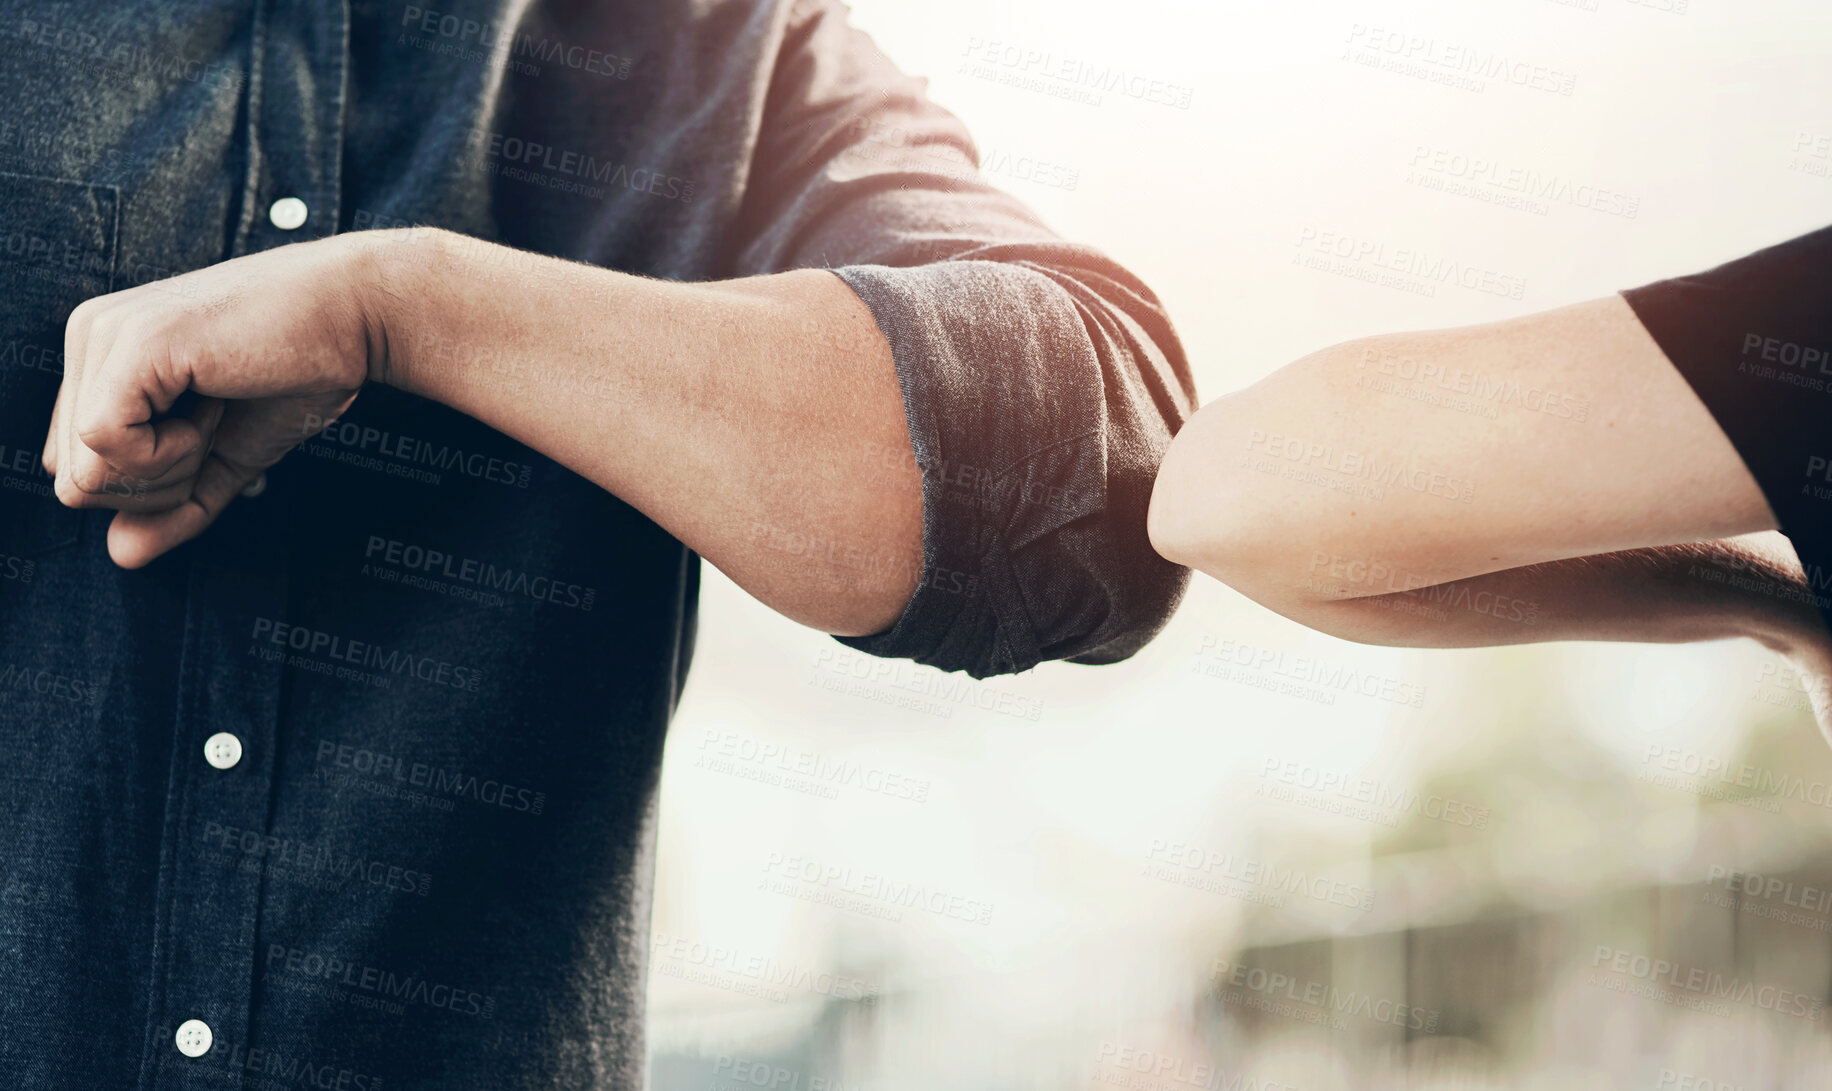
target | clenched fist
x=272, y=345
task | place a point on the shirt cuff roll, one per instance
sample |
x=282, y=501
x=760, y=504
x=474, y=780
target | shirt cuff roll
x=1002, y=381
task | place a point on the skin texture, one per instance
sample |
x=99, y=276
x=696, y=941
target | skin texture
x=1335, y=494
x=739, y=415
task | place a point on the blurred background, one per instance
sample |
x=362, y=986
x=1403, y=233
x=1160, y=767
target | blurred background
x=1254, y=856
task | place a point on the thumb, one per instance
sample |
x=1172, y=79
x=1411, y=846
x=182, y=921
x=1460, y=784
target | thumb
x=136, y=538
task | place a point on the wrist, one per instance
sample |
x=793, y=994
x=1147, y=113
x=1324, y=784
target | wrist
x=389, y=271
x=1798, y=636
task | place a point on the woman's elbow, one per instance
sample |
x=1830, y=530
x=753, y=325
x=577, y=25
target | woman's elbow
x=1214, y=510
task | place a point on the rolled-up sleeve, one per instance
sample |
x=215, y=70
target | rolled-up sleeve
x=1041, y=381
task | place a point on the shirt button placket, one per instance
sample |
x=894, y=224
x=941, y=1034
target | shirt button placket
x=223, y=790
x=221, y=794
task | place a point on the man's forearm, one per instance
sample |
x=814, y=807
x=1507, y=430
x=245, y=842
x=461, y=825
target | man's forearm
x=759, y=420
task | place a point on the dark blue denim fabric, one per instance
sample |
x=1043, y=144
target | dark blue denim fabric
x=450, y=662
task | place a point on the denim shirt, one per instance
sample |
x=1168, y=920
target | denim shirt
x=359, y=788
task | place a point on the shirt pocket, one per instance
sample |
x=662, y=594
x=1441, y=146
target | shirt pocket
x=57, y=248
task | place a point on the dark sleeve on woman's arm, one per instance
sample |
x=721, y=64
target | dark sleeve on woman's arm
x=1754, y=339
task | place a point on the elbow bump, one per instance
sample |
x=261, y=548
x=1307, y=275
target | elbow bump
x=1200, y=515
x=1103, y=593
x=1215, y=514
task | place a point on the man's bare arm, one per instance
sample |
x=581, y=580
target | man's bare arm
x=759, y=420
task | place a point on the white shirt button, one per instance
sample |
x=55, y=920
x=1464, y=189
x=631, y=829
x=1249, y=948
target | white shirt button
x=287, y=213
x=256, y=487
x=222, y=750
x=194, y=1037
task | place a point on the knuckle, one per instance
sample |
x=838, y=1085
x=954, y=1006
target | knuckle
x=131, y=326
x=89, y=426
x=150, y=342
x=124, y=326
x=68, y=494
x=88, y=477
x=84, y=313
x=103, y=326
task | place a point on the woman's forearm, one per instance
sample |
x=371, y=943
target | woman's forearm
x=1749, y=586
x=1355, y=451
